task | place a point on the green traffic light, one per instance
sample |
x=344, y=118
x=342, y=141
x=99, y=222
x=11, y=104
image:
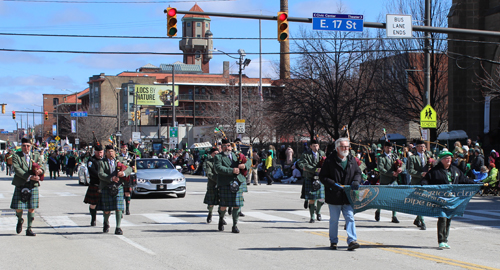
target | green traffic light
x=172, y=31
x=283, y=36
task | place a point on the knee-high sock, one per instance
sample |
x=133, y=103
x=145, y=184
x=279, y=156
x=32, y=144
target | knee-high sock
x=31, y=216
x=222, y=213
x=318, y=206
x=236, y=215
x=106, y=217
x=393, y=213
x=210, y=208
x=118, y=218
x=127, y=200
x=19, y=215
x=312, y=209
x=93, y=213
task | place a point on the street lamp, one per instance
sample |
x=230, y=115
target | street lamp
x=242, y=64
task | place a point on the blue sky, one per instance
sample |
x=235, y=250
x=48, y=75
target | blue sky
x=26, y=76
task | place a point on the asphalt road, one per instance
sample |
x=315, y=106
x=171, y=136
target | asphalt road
x=165, y=232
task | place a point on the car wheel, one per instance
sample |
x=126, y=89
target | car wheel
x=181, y=195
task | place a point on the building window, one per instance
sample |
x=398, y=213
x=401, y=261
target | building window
x=198, y=24
x=188, y=24
x=55, y=101
x=206, y=26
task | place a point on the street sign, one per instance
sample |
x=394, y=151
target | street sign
x=240, y=126
x=147, y=111
x=173, y=140
x=5, y=132
x=338, y=22
x=79, y=114
x=58, y=138
x=136, y=136
x=428, y=117
x=118, y=134
x=77, y=141
x=174, y=132
x=398, y=26
x=425, y=134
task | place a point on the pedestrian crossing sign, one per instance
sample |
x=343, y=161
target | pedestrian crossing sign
x=57, y=138
x=428, y=117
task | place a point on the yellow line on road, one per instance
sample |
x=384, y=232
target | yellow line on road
x=420, y=255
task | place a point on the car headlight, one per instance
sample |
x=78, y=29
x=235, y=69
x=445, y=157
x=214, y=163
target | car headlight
x=179, y=179
x=141, y=181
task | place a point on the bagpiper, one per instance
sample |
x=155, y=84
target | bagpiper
x=212, y=194
x=128, y=160
x=93, y=196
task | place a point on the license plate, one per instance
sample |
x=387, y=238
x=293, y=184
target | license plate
x=161, y=186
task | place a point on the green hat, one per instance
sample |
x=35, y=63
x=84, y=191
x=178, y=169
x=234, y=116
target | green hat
x=444, y=154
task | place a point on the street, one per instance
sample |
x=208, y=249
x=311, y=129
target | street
x=165, y=232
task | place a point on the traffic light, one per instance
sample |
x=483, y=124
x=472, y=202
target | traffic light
x=139, y=115
x=46, y=115
x=3, y=108
x=282, y=26
x=13, y=114
x=171, y=21
x=132, y=116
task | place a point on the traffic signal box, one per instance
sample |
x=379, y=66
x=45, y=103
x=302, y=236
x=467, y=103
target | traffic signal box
x=13, y=114
x=46, y=115
x=171, y=21
x=3, y=108
x=282, y=26
x=132, y=116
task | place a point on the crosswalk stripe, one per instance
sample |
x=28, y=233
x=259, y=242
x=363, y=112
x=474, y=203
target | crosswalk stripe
x=1, y=196
x=8, y=223
x=308, y=215
x=65, y=194
x=59, y=221
x=112, y=221
x=164, y=218
x=371, y=217
x=267, y=217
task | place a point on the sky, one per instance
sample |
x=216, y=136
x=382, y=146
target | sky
x=25, y=76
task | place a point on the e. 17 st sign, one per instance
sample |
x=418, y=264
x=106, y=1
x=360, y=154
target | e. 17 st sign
x=338, y=22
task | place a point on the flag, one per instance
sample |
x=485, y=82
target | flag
x=344, y=127
x=110, y=139
x=67, y=141
x=216, y=130
x=383, y=130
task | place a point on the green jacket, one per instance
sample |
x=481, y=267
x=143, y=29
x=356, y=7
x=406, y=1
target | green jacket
x=224, y=169
x=208, y=167
x=384, y=166
x=492, y=178
x=22, y=170
x=105, y=174
x=416, y=168
x=308, y=164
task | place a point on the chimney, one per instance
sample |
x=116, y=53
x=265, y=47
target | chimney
x=225, y=69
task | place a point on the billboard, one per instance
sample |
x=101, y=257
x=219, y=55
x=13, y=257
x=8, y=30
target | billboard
x=155, y=95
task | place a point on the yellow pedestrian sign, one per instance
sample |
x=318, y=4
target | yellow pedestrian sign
x=428, y=117
x=57, y=138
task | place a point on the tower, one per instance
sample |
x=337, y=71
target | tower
x=196, y=42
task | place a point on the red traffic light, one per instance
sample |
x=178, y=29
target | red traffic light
x=172, y=12
x=282, y=16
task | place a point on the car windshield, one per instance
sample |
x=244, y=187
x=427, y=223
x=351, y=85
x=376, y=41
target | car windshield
x=154, y=164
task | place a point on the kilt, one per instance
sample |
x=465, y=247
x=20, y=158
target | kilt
x=110, y=203
x=243, y=186
x=229, y=199
x=212, y=196
x=18, y=204
x=92, y=196
x=309, y=194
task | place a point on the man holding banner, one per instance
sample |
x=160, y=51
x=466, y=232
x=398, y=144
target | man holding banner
x=417, y=170
x=340, y=168
x=443, y=173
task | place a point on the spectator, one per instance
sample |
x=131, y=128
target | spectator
x=492, y=178
x=53, y=165
x=289, y=155
x=268, y=168
x=480, y=175
x=70, y=165
x=8, y=161
x=458, y=148
x=282, y=156
x=253, y=170
x=478, y=160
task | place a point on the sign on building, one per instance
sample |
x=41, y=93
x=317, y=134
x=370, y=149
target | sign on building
x=155, y=95
x=240, y=126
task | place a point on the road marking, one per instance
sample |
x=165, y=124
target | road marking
x=416, y=254
x=8, y=223
x=1, y=196
x=134, y=244
x=112, y=221
x=59, y=221
x=64, y=194
x=478, y=218
x=485, y=212
x=308, y=215
x=268, y=217
x=164, y=218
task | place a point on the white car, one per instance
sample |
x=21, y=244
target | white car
x=159, y=176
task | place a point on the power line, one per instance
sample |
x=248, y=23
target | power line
x=112, y=2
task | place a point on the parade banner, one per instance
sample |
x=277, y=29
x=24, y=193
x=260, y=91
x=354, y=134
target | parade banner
x=432, y=201
x=155, y=95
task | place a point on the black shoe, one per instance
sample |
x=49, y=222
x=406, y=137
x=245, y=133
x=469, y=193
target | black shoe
x=306, y=203
x=395, y=220
x=127, y=212
x=209, y=218
x=235, y=229
x=318, y=217
x=377, y=216
x=353, y=245
x=105, y=228
x=345, y=227
x=417, y=222
x=224, y=222
x=230, y=210
x=92, y=223
x=221, y=224
x=19, y=227
x=423, y=227
x=241, y=214
x=333, y=246
x=29, y=232
x=311, y=221
x=118, y=231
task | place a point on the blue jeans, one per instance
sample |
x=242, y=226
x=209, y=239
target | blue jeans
x=348, y=214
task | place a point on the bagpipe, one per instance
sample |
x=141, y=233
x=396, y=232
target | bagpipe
x=34, y=165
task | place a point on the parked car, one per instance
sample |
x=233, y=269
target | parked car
x=156, y=175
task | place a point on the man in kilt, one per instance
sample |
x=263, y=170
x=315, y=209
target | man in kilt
x=417, y=169
x=93, y=196
x=126, y=159
x=310, y=164
x=229, y=180
x=26, y=185
x=111, y=189
x=212, y=195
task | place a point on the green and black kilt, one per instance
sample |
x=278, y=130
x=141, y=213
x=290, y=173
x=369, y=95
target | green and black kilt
x=309, y=194
x=110, y=203
x=229, y=199
x=92, y=196
x=212, y=196
x=18, y=204
x=244, y=187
